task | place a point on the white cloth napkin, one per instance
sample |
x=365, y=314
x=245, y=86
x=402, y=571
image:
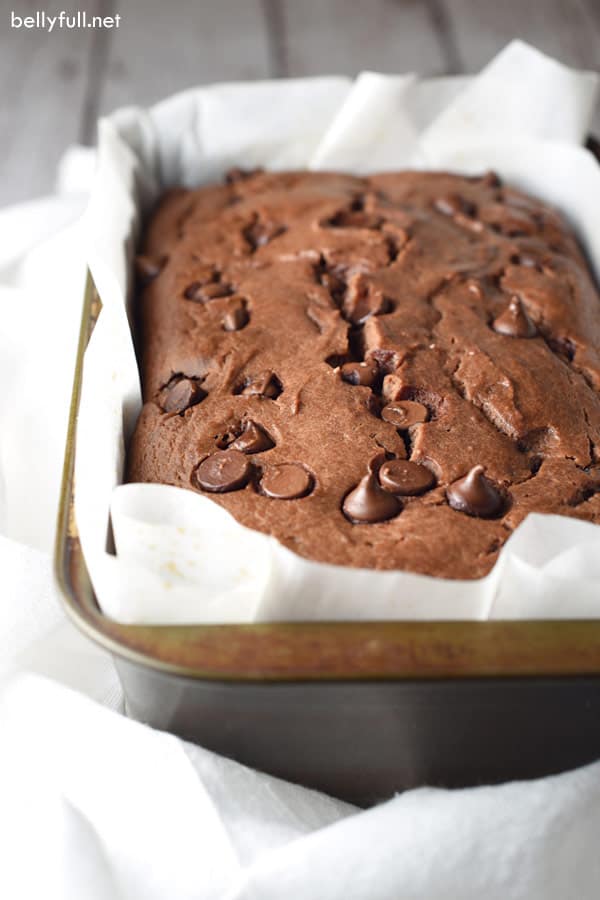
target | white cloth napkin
x=96, y=807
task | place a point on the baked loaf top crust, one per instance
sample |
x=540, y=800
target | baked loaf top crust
x=385, y=372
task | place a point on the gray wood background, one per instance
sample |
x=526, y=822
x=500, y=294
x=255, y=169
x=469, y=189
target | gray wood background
x=54, y=86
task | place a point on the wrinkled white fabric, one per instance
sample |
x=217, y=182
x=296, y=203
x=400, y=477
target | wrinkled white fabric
x=98, y=807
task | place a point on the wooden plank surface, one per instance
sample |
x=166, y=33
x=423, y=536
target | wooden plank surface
x=43, y=80
x=566, y=29
x=340, y=37
x=164, y=47
x=55, y=85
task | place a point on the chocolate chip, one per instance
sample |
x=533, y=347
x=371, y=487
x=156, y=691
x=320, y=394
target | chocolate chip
x=354, y=219
x=469, y=222
x=181, y=394
x=261, y=232
x=215, y=291
x=288, y=481
x=475, y=288
x=387, y=360
x=203, y=293
x=253, y=439
x=362, y=300
x=360, y=373
x=475, y=495
x=148, y=268
x=563, y=346
x=236, y=174
x=404, y=413
x=507, y=220
x=491, y=179
x=452, y=205
x=204, y=277
x=194, y=291
x=368, y=503
x=334, y=285
x=265, y=384
x=236, y=317
x=226, y=438
x=395, y=240
x=527, y=260
x=514, y=321
x=225, y=470
x=400, y=476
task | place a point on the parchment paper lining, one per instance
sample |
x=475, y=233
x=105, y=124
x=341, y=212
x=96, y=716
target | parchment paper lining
x=180, y=557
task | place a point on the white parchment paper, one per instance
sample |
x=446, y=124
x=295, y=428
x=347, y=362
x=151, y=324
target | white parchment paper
x=182, y=558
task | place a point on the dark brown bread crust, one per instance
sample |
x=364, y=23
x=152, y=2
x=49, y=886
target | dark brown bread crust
x=462, y=296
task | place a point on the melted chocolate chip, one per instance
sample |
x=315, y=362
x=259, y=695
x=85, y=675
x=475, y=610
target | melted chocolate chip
x=253, y=439
x=236, y=317
x=148, y=268
x=205, y=276
x=203, y=293
x=400, y=476
x=225, y=470
x=362, y=300
x=334, y=285
x=507, y=220
x=354, y=219
x=474, y=287
x=194, y=291
x=288, y=481
x=452, y=205
x=226, y=438
x=527, y=260
x=215, y=291
x=475, y=495
x=514, y=321
x=360, y=373
x=265, y=384
x=181, y=394
x=262, y=232
x=404, y=413
x=469, y=222
x=563, y=346
x=237, y=174
x=368, y=503
x=491, y=179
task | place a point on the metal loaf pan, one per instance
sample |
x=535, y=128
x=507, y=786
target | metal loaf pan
x=357, y=709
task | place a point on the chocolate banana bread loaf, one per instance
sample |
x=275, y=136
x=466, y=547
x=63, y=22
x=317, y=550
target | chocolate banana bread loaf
x=387, y=372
